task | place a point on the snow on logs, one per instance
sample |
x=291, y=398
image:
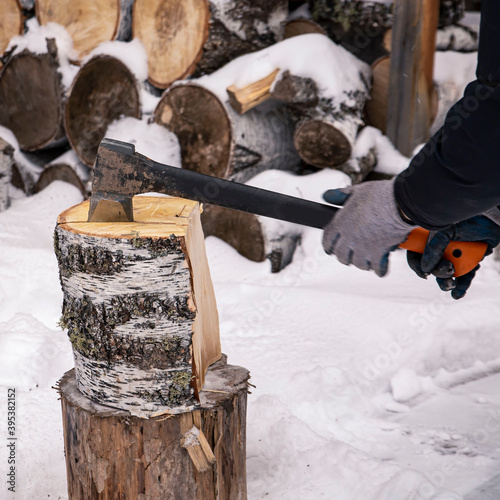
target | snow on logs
x=324, y=88
x=200, y=36
x=139, y=305
x=104, y=90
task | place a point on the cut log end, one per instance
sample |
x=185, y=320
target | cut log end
x=173, y=34
x=12, y=23
x=89, y=22
x=201, y=123
x=103, y=91
x=239, y=229
x=321, y=144
x=38, y=124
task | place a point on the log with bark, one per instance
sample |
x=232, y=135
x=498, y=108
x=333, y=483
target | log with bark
x=259, y=238
x=11, y=23
x=216, y=140
x=32, y=98
x=139, y=305
x=359, y=26
x=66, y=168
x=6, y=161
x=103, y=90
x=89, y=22
x=198, y=455
x=199, y=36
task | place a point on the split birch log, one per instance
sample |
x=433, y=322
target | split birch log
x=139, y=305
x=198, y=455
x=11, y=23
x=6, y=161
x=259, y=238
x=238, y=147
x=67, y=168
x=103, y=91
x=199, y=36
x=32, y=98
x=89, y=22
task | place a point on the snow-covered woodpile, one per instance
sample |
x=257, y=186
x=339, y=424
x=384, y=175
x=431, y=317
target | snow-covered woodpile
x=243, y=87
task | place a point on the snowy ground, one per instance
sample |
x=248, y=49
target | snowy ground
x=366, y=388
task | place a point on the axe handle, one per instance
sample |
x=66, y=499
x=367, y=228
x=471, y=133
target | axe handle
x=212, y=190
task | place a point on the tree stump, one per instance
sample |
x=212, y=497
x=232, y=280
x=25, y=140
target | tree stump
x=89, y=22
x=139, y=305
x=200, y=36
x=6, y=161
x=239, y=147
x=198, y=455
x=32, y=98
x=103, y=91
x=12, y=23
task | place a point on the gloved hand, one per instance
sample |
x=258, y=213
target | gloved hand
x=367, y=228
x=478, y=228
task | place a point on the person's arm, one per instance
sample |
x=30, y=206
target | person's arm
x=457, y=173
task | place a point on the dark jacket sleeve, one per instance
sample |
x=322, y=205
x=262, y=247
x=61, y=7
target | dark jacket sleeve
x=457, y=173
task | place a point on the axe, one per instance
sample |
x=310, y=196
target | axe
x=120, y=173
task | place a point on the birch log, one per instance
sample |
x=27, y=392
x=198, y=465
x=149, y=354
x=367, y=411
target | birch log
x=200, y=36
x=216, y=140
x=139, y=305
x=198, y=455
x=103, y=91
x=32, y=98
x=89, y=22
x=6, y=161
x=67, y=168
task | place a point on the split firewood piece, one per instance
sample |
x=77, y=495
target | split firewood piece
x=259, y=238
x=113, y=454
x=6, y=161
x=103, y=90
x=200, y=36
x=41, y=123
x=89, y=22
x=249, y=96
x=239, y=146
x=139, y=305
x=12, y=23
x=67, y=168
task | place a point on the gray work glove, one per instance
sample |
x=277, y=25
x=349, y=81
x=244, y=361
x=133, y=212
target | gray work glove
x=367, y=228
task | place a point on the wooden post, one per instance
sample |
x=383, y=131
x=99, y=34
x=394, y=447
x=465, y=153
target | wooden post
x=144, y=416
x=410, y=84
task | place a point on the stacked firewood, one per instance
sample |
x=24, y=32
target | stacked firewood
x=270, y=93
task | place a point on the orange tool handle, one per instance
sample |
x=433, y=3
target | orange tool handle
x=464, y=255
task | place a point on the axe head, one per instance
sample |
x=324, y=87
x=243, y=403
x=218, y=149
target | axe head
x=115, y=182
